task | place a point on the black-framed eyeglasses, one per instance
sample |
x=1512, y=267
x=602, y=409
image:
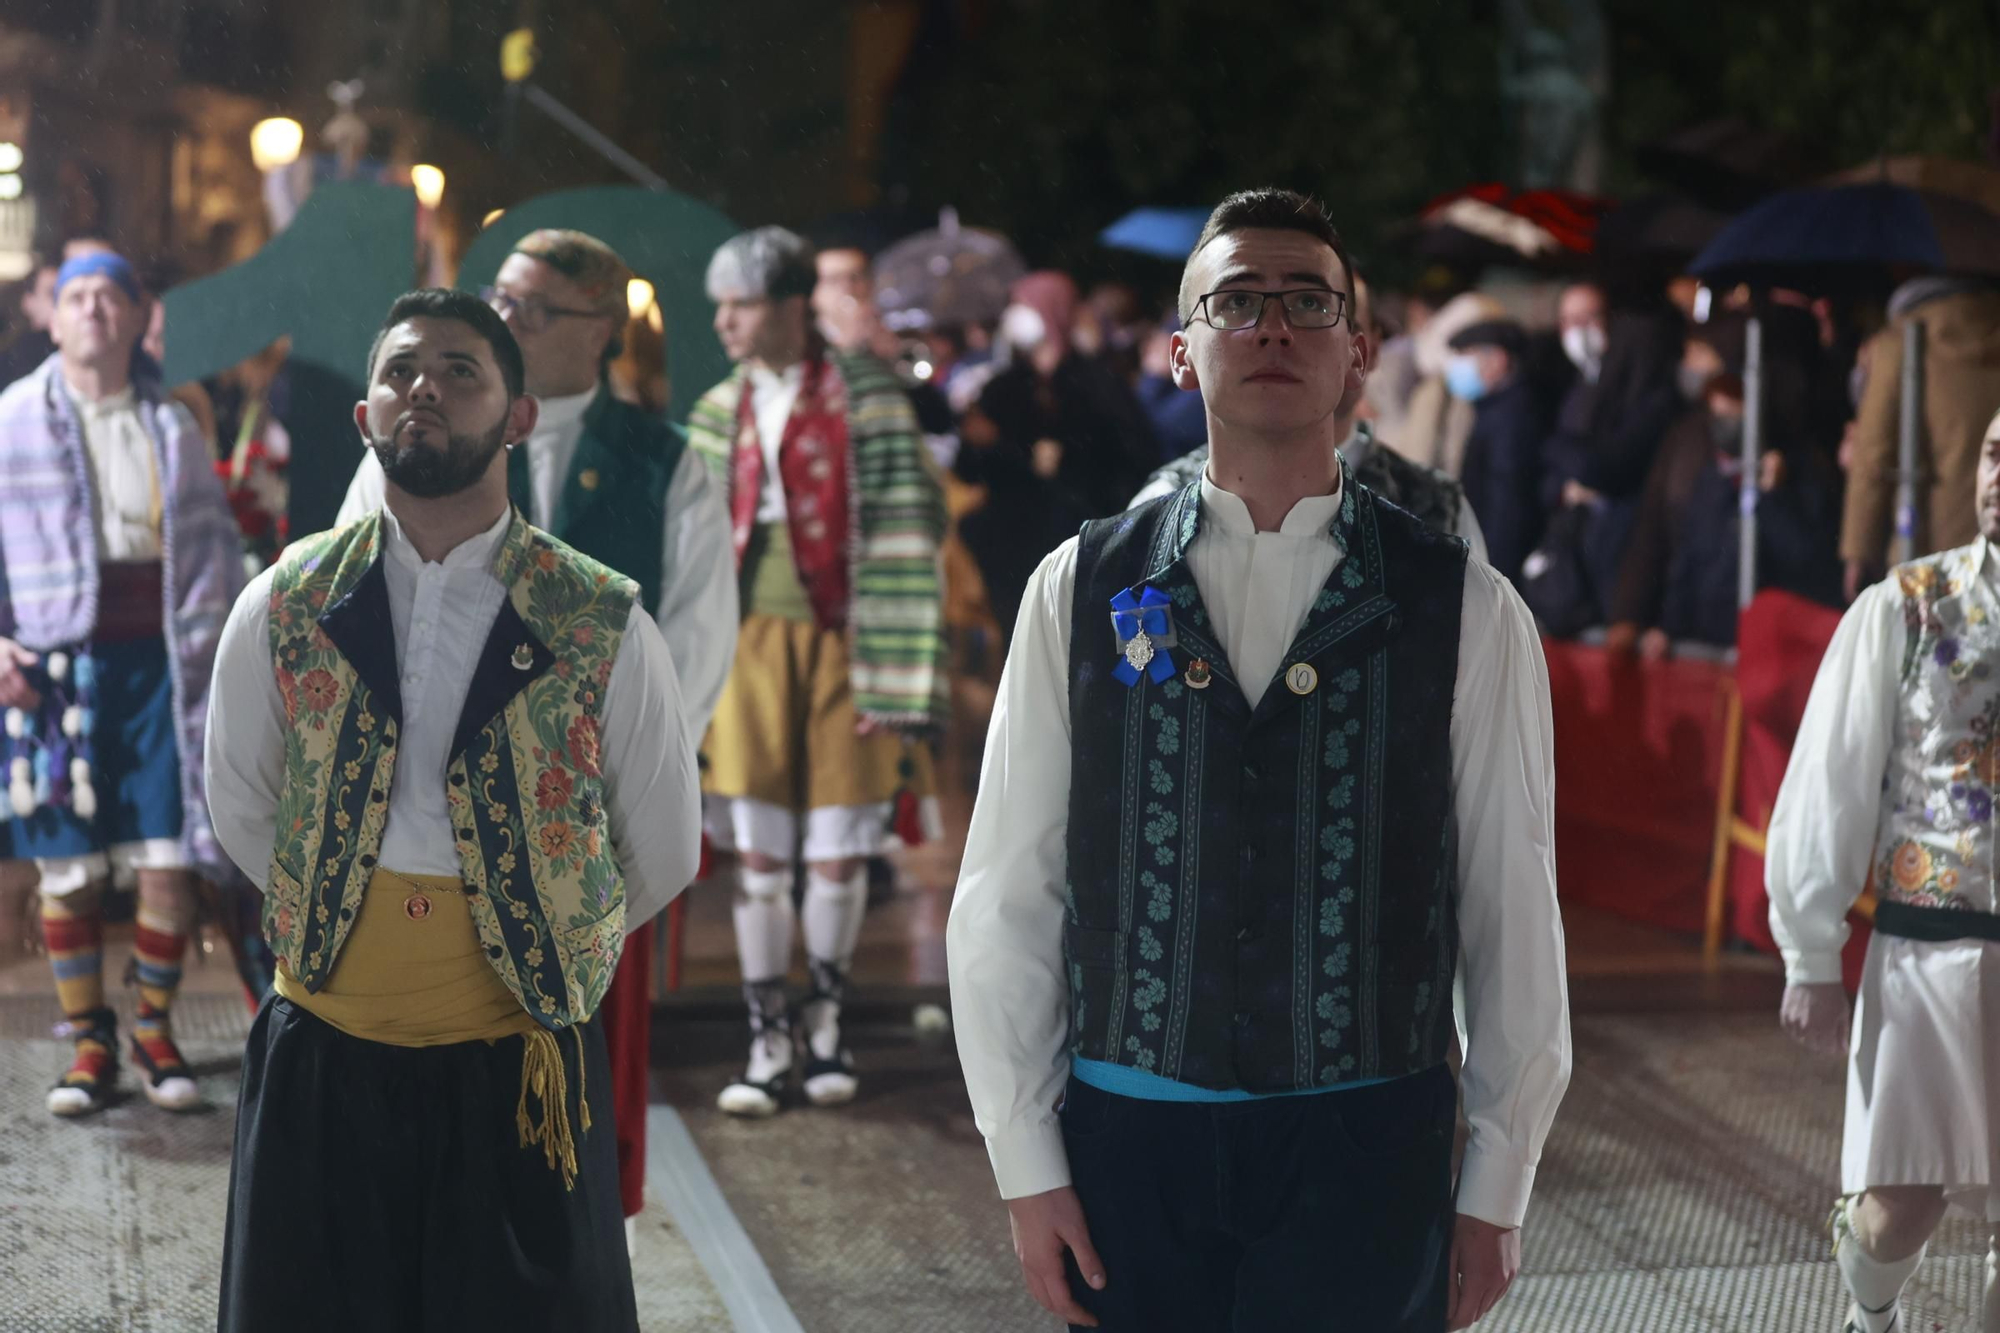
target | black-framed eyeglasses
x=1235, y=308
x=532, y=313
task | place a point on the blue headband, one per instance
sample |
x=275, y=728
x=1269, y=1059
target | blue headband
x=102, y=264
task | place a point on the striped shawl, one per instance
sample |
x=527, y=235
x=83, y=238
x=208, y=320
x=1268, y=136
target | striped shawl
x=895, y=619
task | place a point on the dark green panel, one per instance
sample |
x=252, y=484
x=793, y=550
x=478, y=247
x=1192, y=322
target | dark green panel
x=327, y=280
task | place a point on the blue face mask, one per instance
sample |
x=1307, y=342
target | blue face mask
x=1461, y=376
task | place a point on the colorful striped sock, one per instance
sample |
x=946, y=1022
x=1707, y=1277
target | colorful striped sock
x=75, y=942
x=157, y=946
x=156, y=956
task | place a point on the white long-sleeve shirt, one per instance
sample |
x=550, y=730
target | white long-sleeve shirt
x=1010, y=992
x=1828, y=815
x=697, y=614
x=442, y=613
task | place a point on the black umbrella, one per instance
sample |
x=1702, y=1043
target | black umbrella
x=1831, y=238
x=1727, y=163
x=1657, y=228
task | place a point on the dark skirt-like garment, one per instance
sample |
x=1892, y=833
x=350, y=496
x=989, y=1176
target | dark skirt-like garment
x=385, y=1188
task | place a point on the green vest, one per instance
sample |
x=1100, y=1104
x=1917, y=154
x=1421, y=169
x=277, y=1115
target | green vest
x=613, y=502
x=525, y=786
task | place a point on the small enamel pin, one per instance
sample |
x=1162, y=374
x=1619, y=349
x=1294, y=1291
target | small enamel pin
x=587, y=479
x=1301, y=679
x=524, y=657
x=1197, y=674
x=1144, y=629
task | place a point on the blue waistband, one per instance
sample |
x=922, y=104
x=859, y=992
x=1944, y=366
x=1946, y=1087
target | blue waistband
x=1125, y=1081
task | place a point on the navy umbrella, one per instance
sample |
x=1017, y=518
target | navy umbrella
x=1166, y=233
x=1833, y=238
x=1830, y=237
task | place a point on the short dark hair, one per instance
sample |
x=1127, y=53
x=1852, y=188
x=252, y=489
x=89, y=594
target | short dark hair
x=1271, y=209
x=444, y=303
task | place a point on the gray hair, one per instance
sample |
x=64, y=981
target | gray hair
x=763, y=262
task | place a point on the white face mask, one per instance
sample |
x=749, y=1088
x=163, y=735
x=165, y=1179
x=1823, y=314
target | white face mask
x=1022, y=328
x=1583, y=344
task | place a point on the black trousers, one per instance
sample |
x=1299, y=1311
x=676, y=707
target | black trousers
x=385, y=1188
x=1327, y=1212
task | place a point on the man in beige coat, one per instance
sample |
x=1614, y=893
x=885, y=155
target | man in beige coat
x=1961, y=326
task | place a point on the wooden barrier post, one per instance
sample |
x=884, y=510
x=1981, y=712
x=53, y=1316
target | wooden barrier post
x=1725, y=825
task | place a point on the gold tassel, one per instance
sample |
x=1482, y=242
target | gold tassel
x=582, y=1101
x=542, y=1074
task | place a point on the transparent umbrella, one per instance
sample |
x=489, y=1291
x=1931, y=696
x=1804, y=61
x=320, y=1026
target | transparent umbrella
x=953, y=275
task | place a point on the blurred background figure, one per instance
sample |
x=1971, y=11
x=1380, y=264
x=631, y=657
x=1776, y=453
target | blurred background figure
x=1056, y=437
x=1437, y=422
x=1678, y=579
x=1961, y=323
x=1486, y=370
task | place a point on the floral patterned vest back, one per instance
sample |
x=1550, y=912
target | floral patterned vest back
x=1934, y=839
x=525, y=792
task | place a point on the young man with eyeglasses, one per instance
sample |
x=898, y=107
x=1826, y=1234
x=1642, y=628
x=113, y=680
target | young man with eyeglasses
x=1433, y=496
x=620, y=485
x=1267, y=753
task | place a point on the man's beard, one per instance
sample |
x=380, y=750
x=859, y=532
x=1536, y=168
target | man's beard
x=430, y=473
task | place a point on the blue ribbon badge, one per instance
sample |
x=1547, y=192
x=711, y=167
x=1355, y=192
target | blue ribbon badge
x=1144, y=626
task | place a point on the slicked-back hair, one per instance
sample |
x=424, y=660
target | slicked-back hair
x=444, y=303
x=1269, y=209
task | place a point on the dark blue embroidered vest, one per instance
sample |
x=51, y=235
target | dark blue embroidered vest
x=1264, y=899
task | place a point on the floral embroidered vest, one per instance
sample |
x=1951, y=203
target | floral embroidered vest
x=524, y=789
x=1934, y=838
x=1264, y=898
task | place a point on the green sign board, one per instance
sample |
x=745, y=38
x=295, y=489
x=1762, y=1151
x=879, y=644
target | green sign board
x=328, y=279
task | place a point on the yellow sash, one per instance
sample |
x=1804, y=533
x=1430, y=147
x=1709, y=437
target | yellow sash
x=412, y=973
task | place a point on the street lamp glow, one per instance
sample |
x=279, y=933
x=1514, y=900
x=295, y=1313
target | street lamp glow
x=10, y=186
x=429, y=183
x=275, y=143
x=492, y=218
x=638, y=296
x=11, y=157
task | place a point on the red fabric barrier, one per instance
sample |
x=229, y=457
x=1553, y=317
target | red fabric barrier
x=1639, y=751
x=1781, y=641
x=1638, y=755
x=627, y=1015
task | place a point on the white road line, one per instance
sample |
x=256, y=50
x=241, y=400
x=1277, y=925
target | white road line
x=679, y=1178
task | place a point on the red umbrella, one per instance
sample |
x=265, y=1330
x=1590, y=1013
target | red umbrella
x=1539, y=225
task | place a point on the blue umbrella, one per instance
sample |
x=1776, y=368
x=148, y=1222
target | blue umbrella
x=1831, y=236
x=1168, y=233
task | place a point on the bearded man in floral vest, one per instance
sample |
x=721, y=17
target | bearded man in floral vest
x=837, y=512
x=1891, y=783
x=452, y=749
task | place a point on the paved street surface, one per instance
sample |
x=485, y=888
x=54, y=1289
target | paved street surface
x=1685, y=1188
